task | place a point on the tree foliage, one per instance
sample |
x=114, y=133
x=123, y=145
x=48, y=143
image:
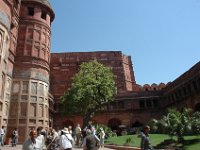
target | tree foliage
x=92, y=87
x=196, y=123
x=178, y=123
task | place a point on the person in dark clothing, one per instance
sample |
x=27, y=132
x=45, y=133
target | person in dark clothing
x=145, y=140
x=14, y=137
x=91, y=143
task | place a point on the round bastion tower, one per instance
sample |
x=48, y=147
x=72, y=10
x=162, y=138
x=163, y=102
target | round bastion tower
x=30, y=89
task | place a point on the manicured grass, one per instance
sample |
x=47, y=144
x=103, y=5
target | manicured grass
x=120, y=140
x=135, y=140
x=191, y=142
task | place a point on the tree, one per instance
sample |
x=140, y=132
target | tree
x=179, y=122
x=92, y=87
x=153, y=123
x=196, y=123
x=176, y=123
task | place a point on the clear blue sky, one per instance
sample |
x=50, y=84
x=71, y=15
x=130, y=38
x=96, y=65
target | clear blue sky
x=161, y=36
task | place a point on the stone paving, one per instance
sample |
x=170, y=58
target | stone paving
x=19, y=147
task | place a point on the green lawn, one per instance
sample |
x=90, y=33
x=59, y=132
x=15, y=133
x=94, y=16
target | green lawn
x=191, y=142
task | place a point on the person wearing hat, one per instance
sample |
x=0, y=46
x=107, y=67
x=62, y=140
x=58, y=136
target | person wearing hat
x=66, y=141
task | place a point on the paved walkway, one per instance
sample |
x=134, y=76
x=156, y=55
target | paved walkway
x=19, y=147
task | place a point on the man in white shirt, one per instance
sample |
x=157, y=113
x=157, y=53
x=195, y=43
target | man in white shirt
x=2, y=134
x=31, y=142
x=66, y=140
x=36, y=141
x=40, y=140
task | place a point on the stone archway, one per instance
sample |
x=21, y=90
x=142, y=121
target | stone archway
x=197, y=107
x=114, y=123
x=136, y=124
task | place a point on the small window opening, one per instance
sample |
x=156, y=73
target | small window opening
x=148, y=102
x=44, y=15
x=194, y=85
x=155, y=103
x=30, y=11
x=142, y=104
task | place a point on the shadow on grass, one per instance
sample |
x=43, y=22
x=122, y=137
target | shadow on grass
x=190, y=142
x=174, y=145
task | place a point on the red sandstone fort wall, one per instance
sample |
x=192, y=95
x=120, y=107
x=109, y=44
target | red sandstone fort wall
x=27, y=87
x=65, y=65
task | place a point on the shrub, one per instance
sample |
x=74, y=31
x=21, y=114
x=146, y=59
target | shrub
x=107, y=130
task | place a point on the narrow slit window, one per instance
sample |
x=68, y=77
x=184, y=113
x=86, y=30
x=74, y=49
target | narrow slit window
x=30, y=11
x=44, y=15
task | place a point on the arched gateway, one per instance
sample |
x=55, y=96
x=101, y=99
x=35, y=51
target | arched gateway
x=68, y=123
x=114, y=123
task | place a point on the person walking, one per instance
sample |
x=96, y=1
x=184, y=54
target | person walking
x=14, y=137
x=52, y=139
x=2, y=134
x=66, y=140
x=145, y=140
x=49, y=140
x=78, y=134
x=70, y=129
x=102, y=137
x=91, y=142
x=40, y=140
x=30, y=144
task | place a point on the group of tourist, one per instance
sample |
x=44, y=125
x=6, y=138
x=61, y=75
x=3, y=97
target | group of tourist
x=64, y=139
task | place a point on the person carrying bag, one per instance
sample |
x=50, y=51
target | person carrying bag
x=66, y=140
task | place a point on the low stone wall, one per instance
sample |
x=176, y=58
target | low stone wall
x=122, y=147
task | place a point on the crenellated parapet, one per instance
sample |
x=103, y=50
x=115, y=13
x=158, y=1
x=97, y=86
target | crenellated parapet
x=153, y=87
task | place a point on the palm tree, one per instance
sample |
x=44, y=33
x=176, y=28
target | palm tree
x=153, y=125
x=179, y=122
